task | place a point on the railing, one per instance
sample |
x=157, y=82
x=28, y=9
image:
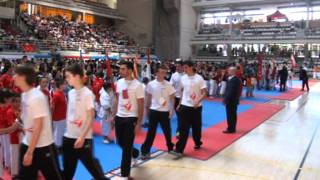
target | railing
x=102, y=9
x=25, y=45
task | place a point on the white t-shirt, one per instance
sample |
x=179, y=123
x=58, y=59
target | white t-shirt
x=79, y=102
x=161, y=92
x=128, y=94
x=35, y=105
x=192, y=86
x=175, y=81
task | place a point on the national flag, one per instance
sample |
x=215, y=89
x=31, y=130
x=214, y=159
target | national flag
x=108, y=62
x=293, y=61
x=148, y=72
x=135, y=67
x=260, y=57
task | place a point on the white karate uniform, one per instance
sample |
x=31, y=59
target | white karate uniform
x=106, y=102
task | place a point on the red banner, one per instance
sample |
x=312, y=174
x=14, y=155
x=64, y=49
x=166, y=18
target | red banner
x=28, y=48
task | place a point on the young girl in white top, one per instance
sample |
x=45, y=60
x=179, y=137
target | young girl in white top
x=77, y=142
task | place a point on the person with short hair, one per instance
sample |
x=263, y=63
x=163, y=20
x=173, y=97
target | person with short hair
x=37, y=151
x=160, y=105
x=129, y=114
x=231, y=99
x=43, y=86
x=194, y=90
x=175, y=82
x=77, y=141
x=105, y=111
x=12, y=114
x=283, y=75
x=304, y=78
x=5, y=126
x=59, y=112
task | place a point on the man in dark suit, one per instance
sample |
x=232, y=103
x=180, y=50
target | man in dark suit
x=304, y=78
x=283, y=75
x=231, y=100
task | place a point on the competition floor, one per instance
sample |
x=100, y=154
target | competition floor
x=286, y=146
x=283, y=144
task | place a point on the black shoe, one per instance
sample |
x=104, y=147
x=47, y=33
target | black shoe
x=198, y=146
x=135, y=153
x=145, y=156
x=229, y=132
x=170, y=148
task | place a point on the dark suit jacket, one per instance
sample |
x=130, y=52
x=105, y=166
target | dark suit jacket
x=283, y=74
x=303, y=75
x=232, y=91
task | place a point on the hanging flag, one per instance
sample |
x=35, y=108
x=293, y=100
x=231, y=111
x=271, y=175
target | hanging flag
x=260, y=57
x=148, y=56
x=135, y=67
x=148, y=70
x=108, y=62
x=293, y=61
x=81, y=55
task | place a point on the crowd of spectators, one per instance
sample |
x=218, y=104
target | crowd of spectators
x=72, y=34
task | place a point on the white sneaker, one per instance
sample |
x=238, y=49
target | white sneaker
x=106, y=141
x=134, y=162
x=176, y=154
x=122, y=178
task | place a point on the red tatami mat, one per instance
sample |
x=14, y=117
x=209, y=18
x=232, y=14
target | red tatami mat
x=289, y=95
x=213, y=138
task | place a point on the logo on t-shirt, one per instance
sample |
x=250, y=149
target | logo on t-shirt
x=125, y=94
x=162, y=101
x=127, y=106
x=78, y=123
x=193, y=96
x=29, y=129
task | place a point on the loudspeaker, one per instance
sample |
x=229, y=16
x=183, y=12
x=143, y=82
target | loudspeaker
x=171, y=5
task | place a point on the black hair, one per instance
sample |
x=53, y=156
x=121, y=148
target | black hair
x=179, y=62
x=164, y=67
x=75, y=69
x=145, y=80
x=28, y=72
x=107, y=85
x=59, y=82
x=188, y=63
x=5, y=94
x=100, y=74
x=128, y=64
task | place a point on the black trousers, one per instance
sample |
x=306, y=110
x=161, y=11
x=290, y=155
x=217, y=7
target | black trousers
x=124, y=127
x=85, y=154
x=190, y=118
x=267, y=84
x=177, y=101
x=231, y=110
x=283, y=85
x=305, y=82
x=156, y=117
x=44, y=160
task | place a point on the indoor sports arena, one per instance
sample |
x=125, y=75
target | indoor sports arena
x=159, y=89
